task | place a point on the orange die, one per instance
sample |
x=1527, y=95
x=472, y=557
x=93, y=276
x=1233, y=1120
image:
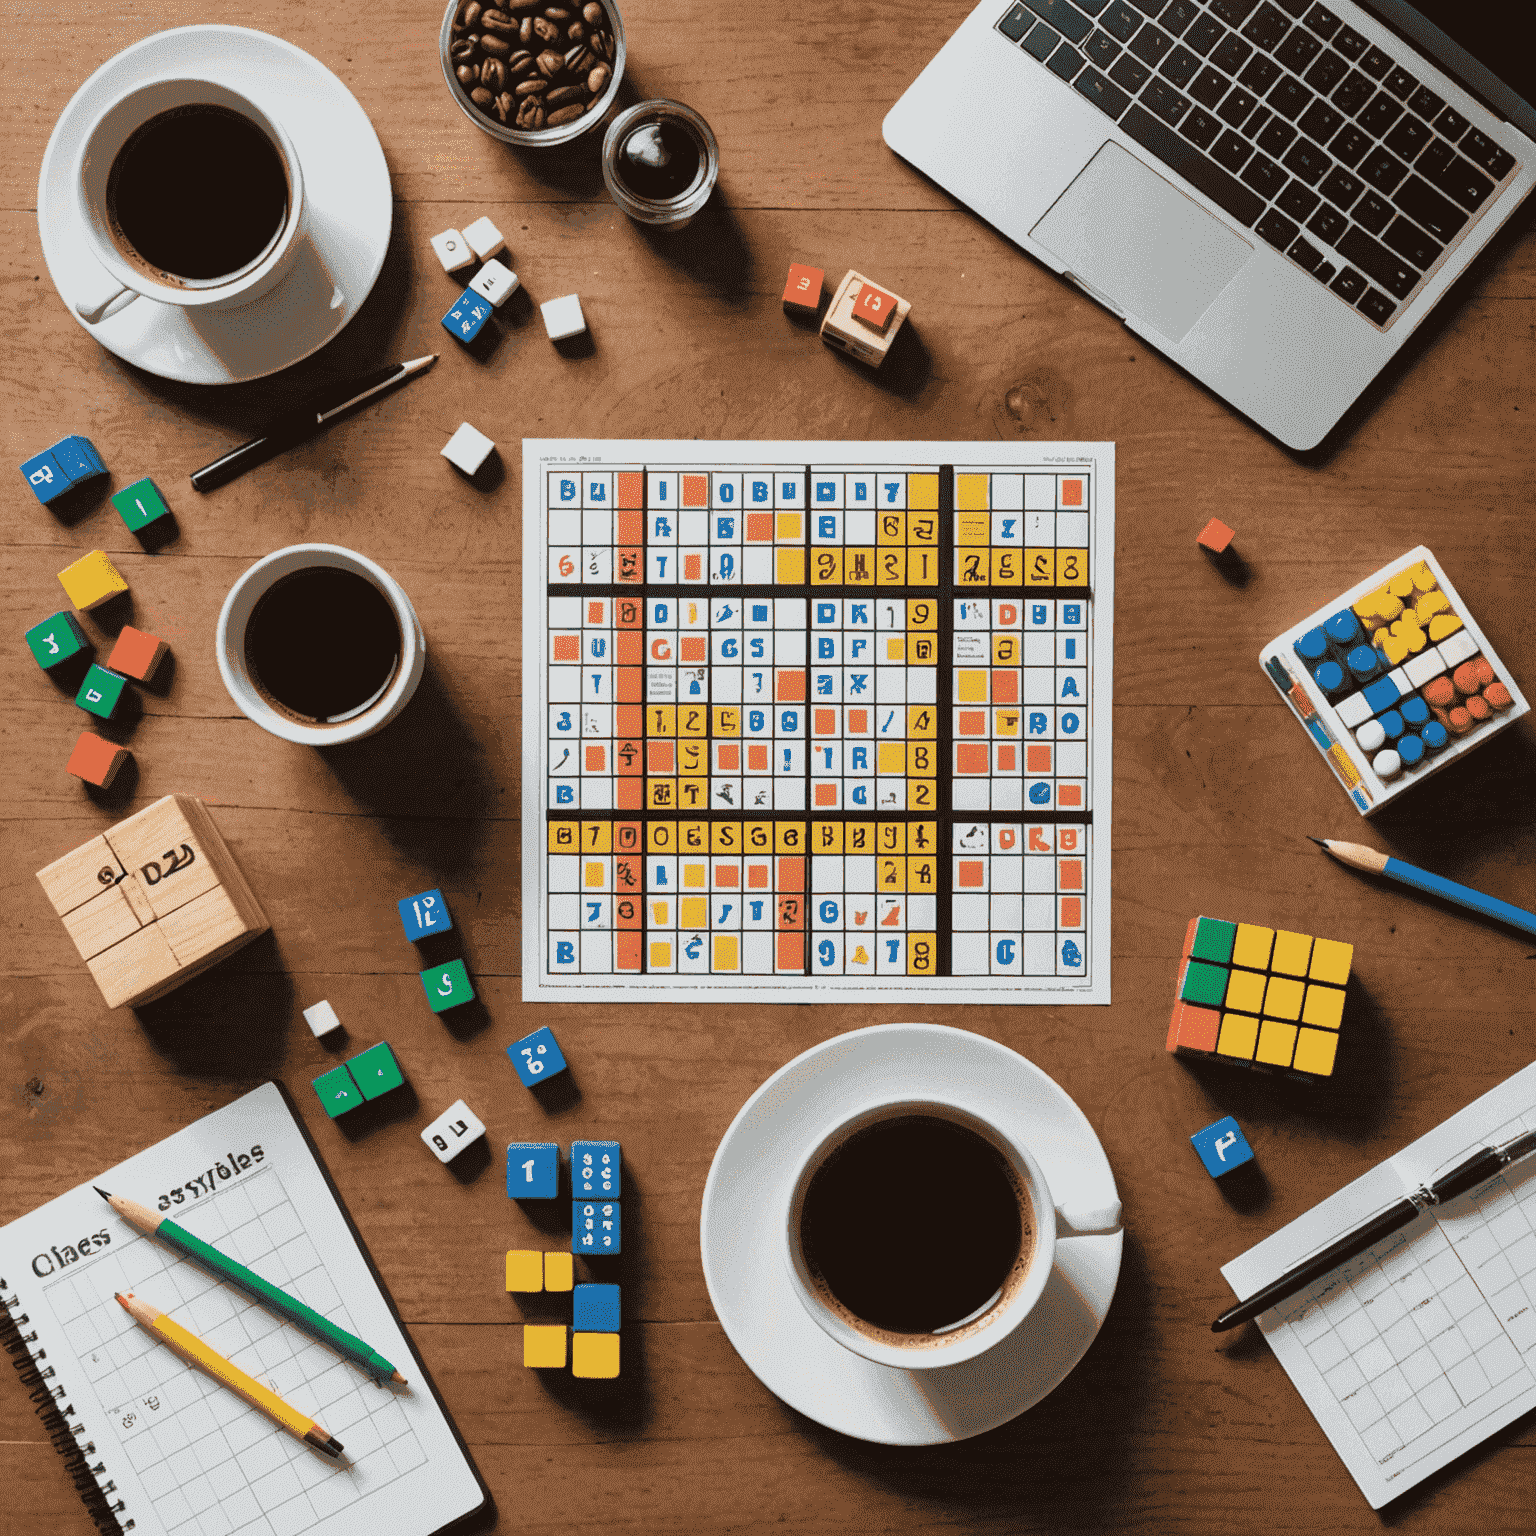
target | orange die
x=136, y=654
x=802, y=292
x=96, y=761
x=874, y=307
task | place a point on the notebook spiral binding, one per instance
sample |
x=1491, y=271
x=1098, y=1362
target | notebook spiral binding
x=56, y=1412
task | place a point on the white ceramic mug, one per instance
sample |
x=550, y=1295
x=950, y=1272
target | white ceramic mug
x=113, y=281
x=234, y=669
x=986, y=1329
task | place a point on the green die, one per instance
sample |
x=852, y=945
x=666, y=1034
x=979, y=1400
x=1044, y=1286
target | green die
x=1205, y=985
x=375, y=1071
x=140, y=504
x=447, y=986
x=338, y=1093
x=1214, y=940
x=57, y=639
x=101, y=692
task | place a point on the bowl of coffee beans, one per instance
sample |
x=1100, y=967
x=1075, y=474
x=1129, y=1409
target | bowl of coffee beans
x=537, y=72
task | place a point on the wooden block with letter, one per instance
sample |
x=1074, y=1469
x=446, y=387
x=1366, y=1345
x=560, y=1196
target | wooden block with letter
x=863, y=320
x=153, y=901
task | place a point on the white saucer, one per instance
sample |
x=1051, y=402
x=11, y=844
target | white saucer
x=763, y=1317
x=346, y=183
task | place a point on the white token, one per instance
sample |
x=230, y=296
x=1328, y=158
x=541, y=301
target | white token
x=1353, y=710
x=322, y=1020
x=468, y=448
x=563, y=317
x=494, y=282
x=1387, y=764
x=453, y=1131
x=485, y=239
x=1371, y=735
x=453, y=251
x=1458, y=648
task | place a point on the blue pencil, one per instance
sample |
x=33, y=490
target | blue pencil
x=1359, y=857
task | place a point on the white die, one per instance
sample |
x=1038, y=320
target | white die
x=485, y=239
x=453, y=251
x=453, y=1130
x=494, y=282
x=322, y=1020
x=468, y=448
x=563, y=317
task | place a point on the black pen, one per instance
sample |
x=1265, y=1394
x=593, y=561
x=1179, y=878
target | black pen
x=1468, y=1175
x=306, y=421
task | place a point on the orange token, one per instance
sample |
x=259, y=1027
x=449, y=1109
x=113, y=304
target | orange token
x=1466, y=679
x=1498, y=695
x=1438, y=693
x=1477, y=707
x=1457, y=721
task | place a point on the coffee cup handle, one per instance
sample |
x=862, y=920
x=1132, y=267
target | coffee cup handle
x=100, y=292
x=1088, y=1221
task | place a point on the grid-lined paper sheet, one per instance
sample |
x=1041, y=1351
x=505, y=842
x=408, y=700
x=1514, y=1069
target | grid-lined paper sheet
x=1422, y=1346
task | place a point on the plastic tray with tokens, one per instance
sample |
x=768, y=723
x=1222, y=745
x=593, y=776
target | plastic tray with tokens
x=1394, y=680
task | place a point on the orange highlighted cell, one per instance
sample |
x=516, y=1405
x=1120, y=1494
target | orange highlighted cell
x=789, y=687
x=1069, y=874
x=1005, y=686
x=693, y=648
x=565, y=647
x=1071, y=493
x=693, y=567
x=973, y=722
x=629, y=794
x=629, y=720
x=629, y=648
x=1071, y=912
x=972, y=874
x=596, y=757
x=1037, y=758
x=628, y=946
x=757, y=757
x=1069, y=795
x=730, y=757
x=971, y=757
x=791, y=952
x=661, y=757
x=825, y=796
x=1007, y=757
x=824, y=722
x=858, y=722
x=759, y=527
x=629, y=685
x=695, y=490
x=630, y=528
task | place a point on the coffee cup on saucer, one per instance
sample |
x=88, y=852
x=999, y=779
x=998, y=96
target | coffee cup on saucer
x=920, y=1235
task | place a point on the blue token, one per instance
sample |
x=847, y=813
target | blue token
x=1312, y=646
x=1364, y=662
x=1329, y=677
x=1382, y=694
x=1434, y=736
x=1411, y=750
x=1392, y=724
x=1343, y=628
x=1415, y=712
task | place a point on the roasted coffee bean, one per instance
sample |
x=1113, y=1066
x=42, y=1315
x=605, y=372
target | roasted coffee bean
x=531, y=117
x=545, y=31
x=534, y=87
x=550, y=64
x=580, y=59
x=506, y=107
x=520, y=69
x=559, y=15
x=496, y=47
x=597, y=81
x=602, y=45
x=564, y=95
x=592, y=14
x=565, y=115
x=469, y=76
x=493, y=20
x=481, y=97
x=525, y=32
x=462, y=52
x=493, y=76
x=576, y=32
x=472, y=13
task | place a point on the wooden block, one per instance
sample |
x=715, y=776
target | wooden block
x=596, y=1227
x=533, y=1170
x=595, y=1356
x=858, y=339
x=106, y=919
x=525, y=1269
x=136, y=970
x=205, y=929
x=1331, y=961
x=80, y=875
x=452, y=250
x=484, y=239
x=544, y=1346
x=875, y=308
x=495, y=282
x=1222, y=1147
x=337, y=1092
x=140, y=504
x=70, y=462
x=92, y=580
x=101, y=692
x=161, y=848
x=467, y=317
x=96, y=761
x=231, y=876
x=447, y=986
x=559, y=1272
x=1215, y=536
x=455, y=1129
x=596, y=1168
x=803, y=289
x=136, y=654
x=563, y=318
x=56, y=640
x=375, y=1071
x=595, y=1309
x=468, y=448
x=322, y=1020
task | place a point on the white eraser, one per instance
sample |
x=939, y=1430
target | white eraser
x=494, y=282
x=485, y=239
x=468, y=448
x=563, y=317
x=453, y=1131
x=453, y=251
x=322, y=1020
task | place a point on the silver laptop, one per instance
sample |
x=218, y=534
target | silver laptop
x=1275, y=193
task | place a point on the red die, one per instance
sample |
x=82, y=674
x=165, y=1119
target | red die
x=96, y=761
x=875, y=307
x=802, y=292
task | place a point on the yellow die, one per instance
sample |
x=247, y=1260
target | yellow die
x=92, y=580
x=525, y=1269
x=544, y=1346
x=594, y=1355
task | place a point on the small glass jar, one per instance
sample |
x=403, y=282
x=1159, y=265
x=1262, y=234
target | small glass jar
x=540, y=138
x=670, y=159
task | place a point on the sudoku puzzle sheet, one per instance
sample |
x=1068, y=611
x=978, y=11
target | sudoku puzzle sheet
x=817, y=718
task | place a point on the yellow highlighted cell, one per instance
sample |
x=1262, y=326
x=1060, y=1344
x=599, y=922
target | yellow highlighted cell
x=1324, y=1007
x=1277, y=1043
x=1239, y=1034
x=1315, y=1050
x=1331, y=961
x=1283, y=998
x=1245, y=991
x=1252, y=946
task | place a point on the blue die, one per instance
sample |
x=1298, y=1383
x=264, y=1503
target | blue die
x=595, y=1167
x=70, y=462
x=536, y=1057
x=533, y=1170
x=595, y=1309
x=595, y=1226
x=470, y=312
x=1222, y=1147
x=425, y=913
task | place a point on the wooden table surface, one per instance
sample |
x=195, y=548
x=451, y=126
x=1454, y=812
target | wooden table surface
x=1163, y=1428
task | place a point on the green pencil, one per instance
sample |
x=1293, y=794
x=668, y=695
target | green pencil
x=152, y=1224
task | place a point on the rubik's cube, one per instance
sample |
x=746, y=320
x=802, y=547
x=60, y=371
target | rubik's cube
x=1263, y=997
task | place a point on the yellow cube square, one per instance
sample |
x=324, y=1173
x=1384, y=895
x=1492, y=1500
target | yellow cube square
x=1252, y=946
x=696, y=875
x=1324, y=1007
x=726, y=955
x=693, y=912
x=1331, y=961
x=789, y=566
x=559, y=1272
x=661, y=955
x=1282, y=1000
x=973, y=528
x=1292, y=951
x=91, y=580
x=595, y=1356
x=923, y=493
x=1277, y=1042
x=1238, y=1036
x=1245, y=991
x=971, y=493
x=786, y=525
x=544, y=1346
x=891, y=757
x=971, y=688
x=525, y=1270
x=1315, y=1050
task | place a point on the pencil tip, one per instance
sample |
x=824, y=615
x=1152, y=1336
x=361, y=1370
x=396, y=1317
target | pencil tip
x=1320, y=843
x=100, y=1191
x=333, y=1445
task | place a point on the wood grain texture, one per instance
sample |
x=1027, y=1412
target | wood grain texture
x=1162, y=1429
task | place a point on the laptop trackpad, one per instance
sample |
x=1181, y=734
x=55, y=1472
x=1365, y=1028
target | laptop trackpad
x=1140, y=242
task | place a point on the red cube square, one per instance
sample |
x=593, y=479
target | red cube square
x=875, y=307
x=1215, y=536
x=802, y=292
x=96, y=761
x=136, y=654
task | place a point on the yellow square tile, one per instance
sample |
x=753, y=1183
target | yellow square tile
x=1252, y=946
x=693, y=912
x=544, y=1346
x=91, y=580
x=1245, y=991
x=971, y=493
x=1292, y=951
x=696, y=875
x=923, y=493
x=1276, y=1043
x=1238, y=1034
x=1331, y=961
x=594, y=875
x=525, y=1270
x=1283, y=998
x=595, y=1355
x=972, y=688
x=1315, y=1050
x=661, y=955
x=1324, y=1007
x=789, y=566
x=559, y=1272
x=726, y=956
x=787, y=525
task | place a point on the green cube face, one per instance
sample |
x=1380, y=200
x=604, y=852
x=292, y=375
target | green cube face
x=447, y=986
x=1213, y=940
x=375, y=1071
x=140, y=505
x=337, y=1092
x=56, y=639
x=1205, y=985
x=101, y=691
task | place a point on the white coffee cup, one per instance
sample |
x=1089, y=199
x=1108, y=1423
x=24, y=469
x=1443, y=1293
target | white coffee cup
x=112, y=281
x=235, y=670
x=1008, y=1309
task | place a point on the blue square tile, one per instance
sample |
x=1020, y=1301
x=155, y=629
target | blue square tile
x=595, y=1168
x=76, y=456
x=467, y=317
x=536, y=1057
x=1382, y=694
x=533, y=1170
x=47, y=479
x=424, y=913
x=595, y=1226
x=1222, y=1147
x=595, y=1309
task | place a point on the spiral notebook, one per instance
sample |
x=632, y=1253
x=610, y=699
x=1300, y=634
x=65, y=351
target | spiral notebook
x=155, y=1446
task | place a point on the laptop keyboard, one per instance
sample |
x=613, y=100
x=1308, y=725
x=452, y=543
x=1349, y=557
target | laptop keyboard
x=1300, y=128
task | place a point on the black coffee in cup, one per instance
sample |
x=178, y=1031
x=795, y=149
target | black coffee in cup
x=915, y=1229
x=197, y=193
x=322, y=645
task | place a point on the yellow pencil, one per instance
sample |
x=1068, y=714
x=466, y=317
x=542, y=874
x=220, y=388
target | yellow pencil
x=195, y=1352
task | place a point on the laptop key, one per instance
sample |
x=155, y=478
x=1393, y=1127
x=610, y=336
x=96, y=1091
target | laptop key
x=1320, y=122
x=1375, y=63
x=1408, y=138
x=1102, y=49
x=1290, y=97
x=1106, y=97
x=1066, y=61
x=1256, y=124
x=1378, y=118
x=1353, y=93
x=1439, y=215
x=1236, y=107
x=1306, y=162
x=1204, y=35
x=1259, y=74
x=1451, y=124
x=1494, y=158
x=1296, y=8
x=1348, y=144
x=1200, y=128
x=1092, y=7
x=1120, y=21
x=1267, y=26
x=1226, y=191
x=1180, y=66
x=1066, y=18
x=1328, y=68
x=1349, y=284
x=1165, y=101
x=1276, y=137
x=1233, y=12
x=1328, y=224
x=1376, y=306
x=1149, y=7
x=1425, y=102
x=1276, y=229
x=1298, y=50
x=1297, y=200
x=1350, y=43
x=1459, y=179
x=1016, y=23
x=1401, y=83
x=1179, y=15
x=1323, y=22
x=1305, y=254
x=1208, y=87
x=1228, y=55
x=1383, y=169
x=1373, y=213
x=1412, y=244
x=1324, y=272
x=1231, y=151
x=1130, y=73
x=1376, y=261
x=1042, y=41
x=1340, y=188
x=1264, y=176
x=1150, y=44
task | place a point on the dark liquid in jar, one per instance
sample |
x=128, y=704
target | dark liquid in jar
x=659, y=160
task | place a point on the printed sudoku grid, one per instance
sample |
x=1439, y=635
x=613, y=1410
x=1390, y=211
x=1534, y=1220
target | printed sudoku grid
x=817, y=722
x=1436, y=1326
x=210, y=1465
